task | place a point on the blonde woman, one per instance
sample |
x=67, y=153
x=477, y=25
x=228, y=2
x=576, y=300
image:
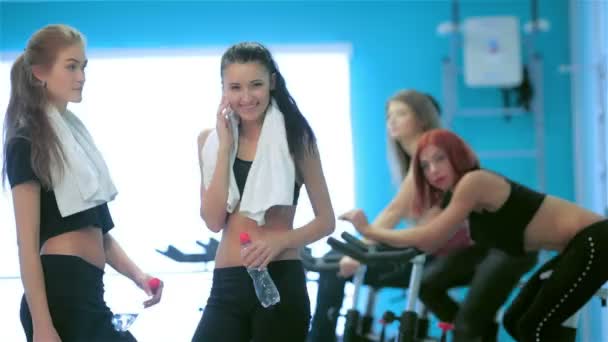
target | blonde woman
x=51, y=162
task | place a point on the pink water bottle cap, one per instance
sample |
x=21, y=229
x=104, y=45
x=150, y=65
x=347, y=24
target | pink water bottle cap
x=445, y=326
x=245, y=239
x=154, y=284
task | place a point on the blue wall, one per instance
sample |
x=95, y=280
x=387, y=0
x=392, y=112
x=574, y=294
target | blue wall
x=394, y=46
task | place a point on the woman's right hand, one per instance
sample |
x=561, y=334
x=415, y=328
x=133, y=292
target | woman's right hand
x=46, y=335
x=224, y=125
x=348, y=266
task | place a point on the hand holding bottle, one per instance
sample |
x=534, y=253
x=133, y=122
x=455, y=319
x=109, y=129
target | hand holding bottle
x=122, y=321
x=265, y=289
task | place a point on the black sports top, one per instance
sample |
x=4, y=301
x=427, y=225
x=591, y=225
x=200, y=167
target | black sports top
x=504, y=228
x=241, y=171
x=19, y=170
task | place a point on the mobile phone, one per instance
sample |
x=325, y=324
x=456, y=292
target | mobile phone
x=228, y=114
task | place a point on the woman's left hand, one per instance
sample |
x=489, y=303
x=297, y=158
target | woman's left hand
x=262, y=251
x=152, y=286
x=358, y=218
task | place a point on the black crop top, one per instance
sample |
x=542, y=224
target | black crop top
x=241, y=171
x=19, y=170
x=504, y=228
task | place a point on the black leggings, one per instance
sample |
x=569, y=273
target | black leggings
x=491, y=276
x=74, y=290
x=234, y=314
x=560, y=287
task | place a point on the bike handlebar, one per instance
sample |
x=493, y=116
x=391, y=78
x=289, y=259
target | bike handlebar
x=369, y=254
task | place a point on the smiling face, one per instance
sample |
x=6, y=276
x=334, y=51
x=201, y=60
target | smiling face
x=437, y=168
x=247, y=87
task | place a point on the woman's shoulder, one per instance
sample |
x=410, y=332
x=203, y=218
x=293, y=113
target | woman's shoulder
x=482, y=180
x=473, y=176
x=19, y=168
x=21, y=140
x=479, y=179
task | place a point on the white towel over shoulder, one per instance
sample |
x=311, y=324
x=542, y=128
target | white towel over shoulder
x=271, y=178
x=85, y=182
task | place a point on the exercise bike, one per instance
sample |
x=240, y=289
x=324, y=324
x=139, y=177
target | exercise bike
x=356, y=328
x=409, y=321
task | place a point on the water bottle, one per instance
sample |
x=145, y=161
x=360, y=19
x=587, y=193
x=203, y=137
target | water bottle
x=122, y=321
x=265, y=288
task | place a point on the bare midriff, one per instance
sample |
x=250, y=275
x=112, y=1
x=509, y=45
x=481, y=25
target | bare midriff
x=278, y=219
x=85, y=243
x=555, y=223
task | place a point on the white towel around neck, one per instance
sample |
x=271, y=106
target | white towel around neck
x=85, y=182
x=271, y=178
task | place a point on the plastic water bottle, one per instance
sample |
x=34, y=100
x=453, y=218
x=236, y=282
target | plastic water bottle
x=265, y=288
x=122, y=321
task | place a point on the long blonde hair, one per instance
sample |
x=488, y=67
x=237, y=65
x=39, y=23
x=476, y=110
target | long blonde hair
x=26, y=112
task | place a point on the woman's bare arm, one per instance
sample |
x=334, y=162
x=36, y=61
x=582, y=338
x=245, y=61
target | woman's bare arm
x=438, y=230
x=213, y=199
x=264, y=250
x=120, y=261
x=26, y=202
x=400, y=207
x=324, y=221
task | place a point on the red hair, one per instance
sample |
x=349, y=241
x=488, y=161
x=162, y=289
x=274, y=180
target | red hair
x=459, y=154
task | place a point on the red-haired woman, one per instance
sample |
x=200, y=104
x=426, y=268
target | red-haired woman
x=509, y=216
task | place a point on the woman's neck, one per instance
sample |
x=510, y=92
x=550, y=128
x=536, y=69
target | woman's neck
x=408, y=144
x=60, y=106
x=250, y=130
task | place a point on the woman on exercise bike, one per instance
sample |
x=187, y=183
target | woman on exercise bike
x=509, y=216
x=490, y=273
